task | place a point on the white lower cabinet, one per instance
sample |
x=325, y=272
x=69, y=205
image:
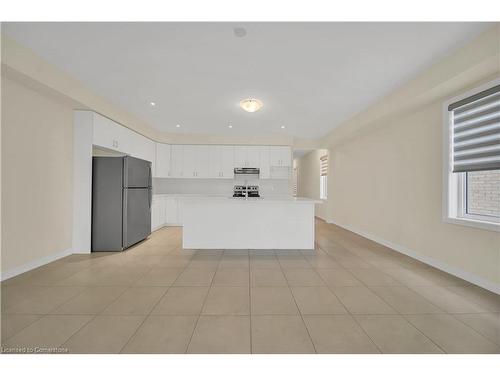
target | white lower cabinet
x=172, y=211
x=156, y=212
x=165, y=211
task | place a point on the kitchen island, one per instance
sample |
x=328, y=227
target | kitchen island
x=248, y=223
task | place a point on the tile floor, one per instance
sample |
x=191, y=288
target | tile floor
x=349, y=295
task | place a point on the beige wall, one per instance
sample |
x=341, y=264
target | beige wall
x=308, y=182
x=36, y=175
x=386, y=168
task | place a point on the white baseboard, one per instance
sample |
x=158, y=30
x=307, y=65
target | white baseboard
x=165, y=225
x=34, y=264
x=465, y=275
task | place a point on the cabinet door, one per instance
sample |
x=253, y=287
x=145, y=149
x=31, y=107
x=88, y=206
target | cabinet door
x=124, y=138
x=180, y=217
x=227, y=161
x=274, y=156
x=286, y=156
x=215, y=161
x=155, y=214
x=162, y=160
x=202, y=161
x=189, y=161
x=240, y=156
x=176, y=161
x=163, y=211
x=253, y=156
x=103, y=132
x=171, y=210
x=264, y=162
x=149, y=150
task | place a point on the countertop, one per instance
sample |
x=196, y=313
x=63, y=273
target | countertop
x=245, y=200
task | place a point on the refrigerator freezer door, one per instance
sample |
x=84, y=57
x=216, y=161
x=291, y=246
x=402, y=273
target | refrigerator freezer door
x=136, y=215
x=137, y=173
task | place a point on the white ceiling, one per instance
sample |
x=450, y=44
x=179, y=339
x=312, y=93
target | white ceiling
x=310, y=76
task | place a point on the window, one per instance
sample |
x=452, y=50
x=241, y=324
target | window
x=483, y=193
x=323, y=176
x=472, y=158
x=295, y=181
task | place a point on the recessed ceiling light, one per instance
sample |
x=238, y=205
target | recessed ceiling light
x=251, y=105
x=230, y=126
x=240, y=32
x=152, y=104
x=282, y=126
x=177, y=126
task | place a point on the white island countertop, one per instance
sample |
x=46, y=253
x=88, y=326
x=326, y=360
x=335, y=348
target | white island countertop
x=246, y=200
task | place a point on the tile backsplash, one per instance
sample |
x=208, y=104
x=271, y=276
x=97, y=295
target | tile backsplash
x=217, y=186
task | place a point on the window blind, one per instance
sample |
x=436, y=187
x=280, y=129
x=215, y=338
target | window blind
x=324, y=165
x=476, y=132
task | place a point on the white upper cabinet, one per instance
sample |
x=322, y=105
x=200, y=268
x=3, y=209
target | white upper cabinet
x=202, y=161
x=176, y=161
x=189, y=161
x=280, y=156
x=221, y=160
x=163, y=160
x=264, y=162
x=215, y=160
x=111, y=135
x=253, y=156
x=227, y=165
x=195, y=161
x=240, y=156
x=108, y=134
x=142, y=147
x=218, y=161
x=247, y=156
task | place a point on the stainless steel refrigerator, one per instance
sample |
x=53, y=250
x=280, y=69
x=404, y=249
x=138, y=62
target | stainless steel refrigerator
x=121, y=202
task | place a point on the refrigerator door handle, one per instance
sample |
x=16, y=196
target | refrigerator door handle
x=150, y=182
x=150, y=198
x=124, y=218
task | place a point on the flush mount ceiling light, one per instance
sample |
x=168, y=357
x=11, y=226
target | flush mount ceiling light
x=177, y=126
x=152, y=104
x=282, y=126
x=230, y=126
x=240, y=32
x=251, y=105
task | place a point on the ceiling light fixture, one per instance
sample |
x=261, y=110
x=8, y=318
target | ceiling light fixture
x=282, y=126
x=152, y=104
x=177, y=126
x=240, y=32
x=230, y=126
x=251, y=105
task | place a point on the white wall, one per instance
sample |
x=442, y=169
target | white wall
x=385, y=174
x=308, y=182
x=36, y=177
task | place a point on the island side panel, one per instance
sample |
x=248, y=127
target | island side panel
x=233, y=224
